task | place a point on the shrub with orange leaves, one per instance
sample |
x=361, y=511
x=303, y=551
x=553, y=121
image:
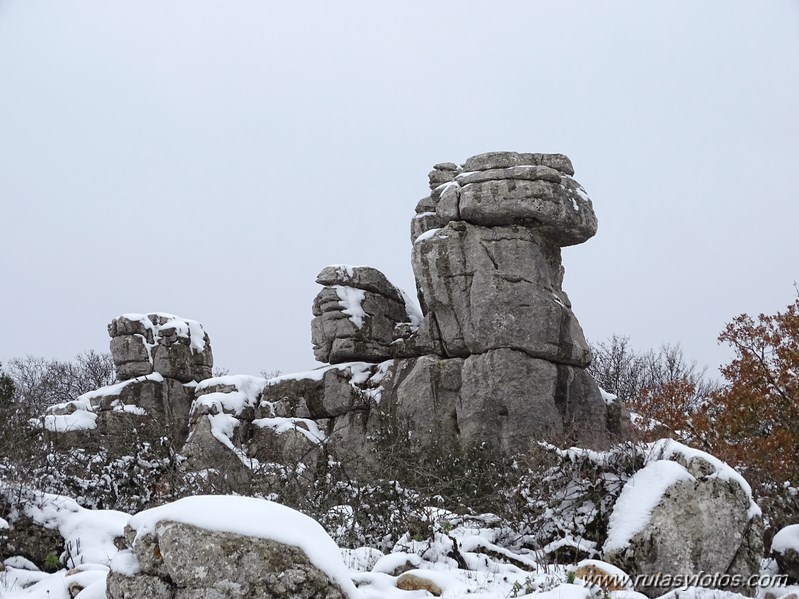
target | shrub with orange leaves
x=753, y=420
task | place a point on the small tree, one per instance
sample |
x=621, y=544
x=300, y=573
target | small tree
x=754, y=417
x=664, y=390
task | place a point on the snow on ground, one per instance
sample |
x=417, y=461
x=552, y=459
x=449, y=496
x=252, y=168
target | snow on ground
x=464, y=558
x=666, y=464
x=24, y=584
x=88, y=550
x=88, y=534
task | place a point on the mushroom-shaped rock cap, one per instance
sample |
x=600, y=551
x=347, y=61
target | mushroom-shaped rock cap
x=492, y=160
x=512, y=188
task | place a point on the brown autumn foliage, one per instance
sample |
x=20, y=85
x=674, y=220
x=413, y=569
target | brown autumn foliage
x=753, y=420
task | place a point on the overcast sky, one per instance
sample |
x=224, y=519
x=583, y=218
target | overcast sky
x=209, y=158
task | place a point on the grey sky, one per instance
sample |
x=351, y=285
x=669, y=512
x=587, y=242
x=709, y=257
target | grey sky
x=209, y=158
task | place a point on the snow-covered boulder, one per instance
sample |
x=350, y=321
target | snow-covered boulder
x=785, y=550
x=684, y=512
x=225, y=546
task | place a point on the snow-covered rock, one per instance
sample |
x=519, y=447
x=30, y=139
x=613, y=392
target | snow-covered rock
x=222, y=546
x=785, y=550
x=175, y=347
x=360, y=315
x=684, y=512
x=43, y=526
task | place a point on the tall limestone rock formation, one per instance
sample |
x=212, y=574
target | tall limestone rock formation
x=497, y=354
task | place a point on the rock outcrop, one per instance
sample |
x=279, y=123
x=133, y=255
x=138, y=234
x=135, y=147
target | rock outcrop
x=159, y=359
x=496, y=354
x=685, y=512
x=197, y=548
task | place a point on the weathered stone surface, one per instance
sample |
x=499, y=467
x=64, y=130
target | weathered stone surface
x=785, y=551
x=564, y=216
x=702, y=523
x=427, y=398
x=356, y=316
x=120, y=586
x=349, y=440
x=328, y=393
x=527, y=173
x=424, y=222
x=510, y=397
x=182, y=560
x=286, y=445
x=129, y=348
x=584, y=411
x=494, y=160
x=360, y=277
x=440, y=177
x=172, y=346
x=603, y=575
x=418, y=581
x=499, y=354
x=498, y=287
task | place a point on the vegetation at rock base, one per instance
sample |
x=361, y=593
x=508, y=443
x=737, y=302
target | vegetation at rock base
x=747, y=419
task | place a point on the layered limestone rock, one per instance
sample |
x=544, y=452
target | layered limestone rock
x=495, y=355
x=498, y=355
x=175, y=347
x=486, y=256
x=360, y=315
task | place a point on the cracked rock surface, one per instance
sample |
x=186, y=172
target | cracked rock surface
x=496, y=354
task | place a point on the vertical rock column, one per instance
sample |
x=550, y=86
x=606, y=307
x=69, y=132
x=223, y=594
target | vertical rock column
x=487, y=262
